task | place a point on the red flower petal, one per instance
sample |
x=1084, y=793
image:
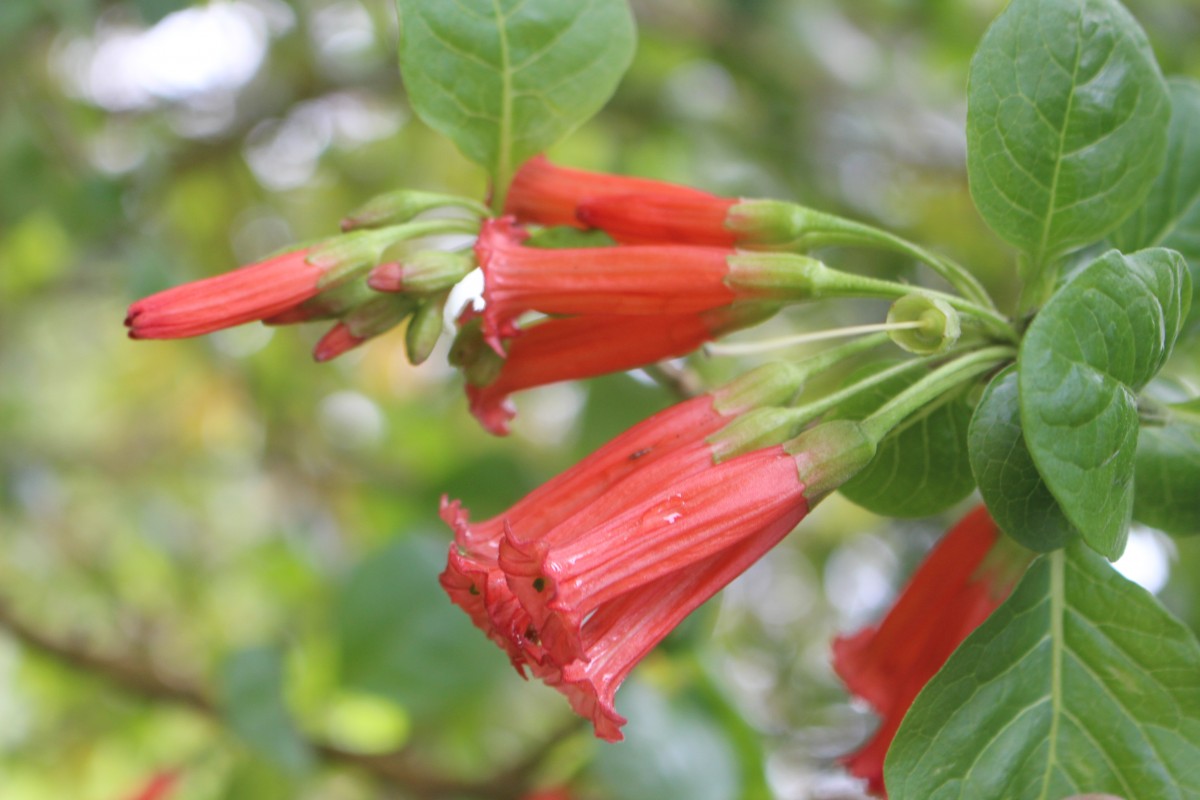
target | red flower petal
x=955, y=589
x=253, y=292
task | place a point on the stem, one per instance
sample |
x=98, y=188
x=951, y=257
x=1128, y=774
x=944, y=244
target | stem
x=846, y=231
x=987, y=315
x=830, y=401
x=751, y=348
x=933, y=386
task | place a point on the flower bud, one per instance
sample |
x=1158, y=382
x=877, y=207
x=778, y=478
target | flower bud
x=423, y=272
x=401, y=206
x=425, y=328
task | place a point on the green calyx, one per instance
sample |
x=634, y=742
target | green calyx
x=829, y=455
x=347, y=256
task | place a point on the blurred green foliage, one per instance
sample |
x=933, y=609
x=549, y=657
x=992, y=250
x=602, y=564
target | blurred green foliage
x=224, y=513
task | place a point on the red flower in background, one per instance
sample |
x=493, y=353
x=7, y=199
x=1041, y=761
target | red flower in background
x=960, y=583
x=255, y=292
x=159, y=787
x=547, y=194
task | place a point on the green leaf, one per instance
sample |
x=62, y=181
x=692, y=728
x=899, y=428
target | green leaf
x=1067, y=117
x=1084, y=358
x=1171, y=214
x=251, y=691
x=920, y=468
x=1012, y=488
x=1167, y=477
x=505, y=79
x=399, y=636
x=1080, y=682
x=1172, y=209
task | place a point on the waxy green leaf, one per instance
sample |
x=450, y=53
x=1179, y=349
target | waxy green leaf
x=1012, y=488
x=1172, y=209
x=1084, y=358
x=251, y=696
x=1171, y=214
x=922, y=467
x=1167, y=477
x=1067, y=120
x=505, y=79
x=1080, y=682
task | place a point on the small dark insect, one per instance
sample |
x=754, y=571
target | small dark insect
x=640, y=453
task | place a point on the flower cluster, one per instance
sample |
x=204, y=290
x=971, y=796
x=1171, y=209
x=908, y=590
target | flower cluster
x=582, y=578
x=578, y=581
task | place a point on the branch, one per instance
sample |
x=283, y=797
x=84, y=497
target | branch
x=142, y=679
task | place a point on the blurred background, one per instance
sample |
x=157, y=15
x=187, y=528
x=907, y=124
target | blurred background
x=218, y=559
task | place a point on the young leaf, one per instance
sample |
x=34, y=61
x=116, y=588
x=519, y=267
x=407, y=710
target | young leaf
x=922, y=467
x=1167, y=477
x=1016, y=495
x=251, y=691
x=505, y=79
x=1080, y=682
x=1085, y=356
x=1067, y=117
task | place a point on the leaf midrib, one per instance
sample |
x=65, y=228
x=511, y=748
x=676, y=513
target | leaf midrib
x=1057, y=611
x=1048, y=223
x=503, y=166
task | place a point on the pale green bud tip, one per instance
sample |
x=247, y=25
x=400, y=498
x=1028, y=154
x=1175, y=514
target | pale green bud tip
x=430, y=271
x=829, y=455
x=425, y=328
x=936, y=324
x=378, y=315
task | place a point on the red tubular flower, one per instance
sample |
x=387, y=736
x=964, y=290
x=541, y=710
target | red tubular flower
x=570, y=348
x=625, y=564
x=253, y=292
x=580, y=565
x=647, y=280
x=961, y=582
x=622, y=632
x=473, y=578
x=546, y=194
x=649, y=218
x=671, y=443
